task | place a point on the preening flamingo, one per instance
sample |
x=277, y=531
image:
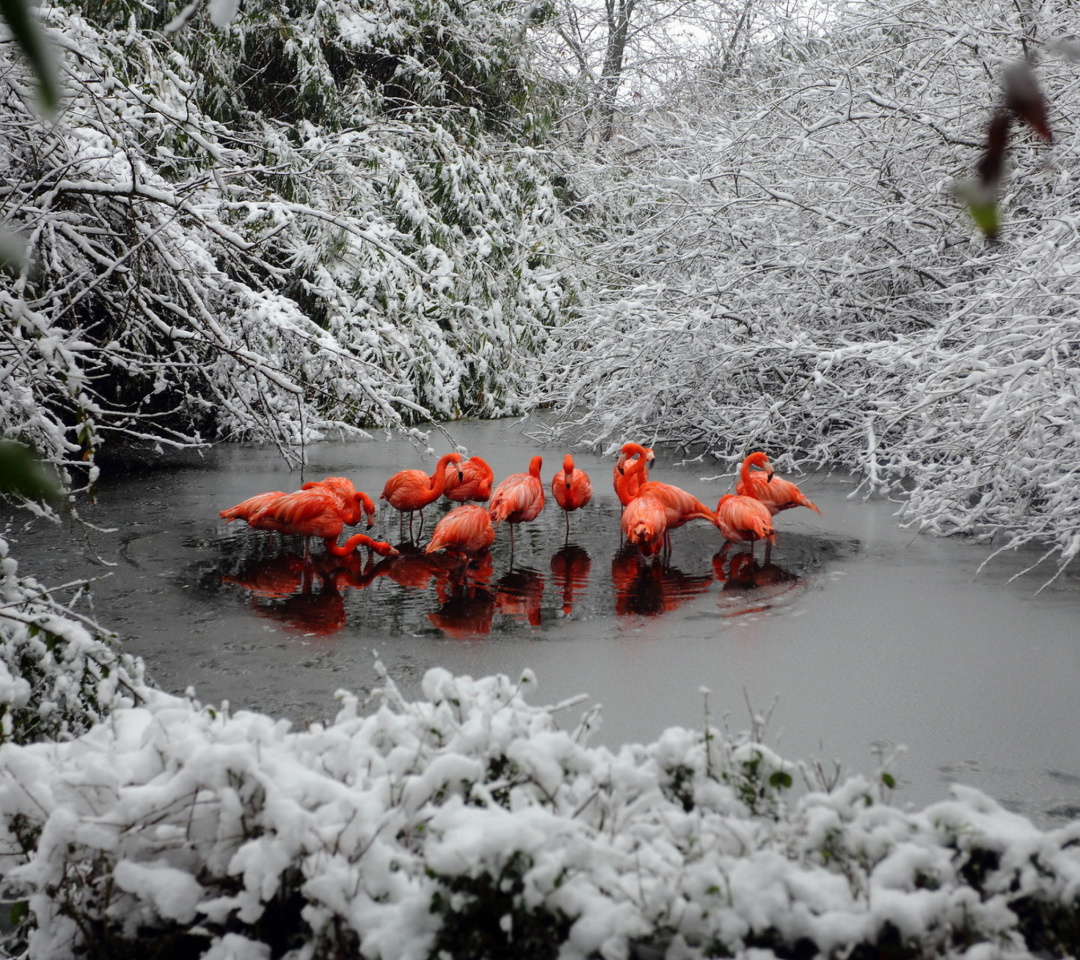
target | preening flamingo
x=518, y=498
x=627, y=486
x=472, y=483
x=465, y=530
x=571, y=488
x=776, y=493
x=743, y=519
x=353, y=501
x=411, y=490
x=644, y=522
x=680, y=507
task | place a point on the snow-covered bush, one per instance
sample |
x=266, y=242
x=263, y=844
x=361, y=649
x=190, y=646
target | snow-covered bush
x=324, y=217
x=59, y=673
x=787, y=268
x=468, y=824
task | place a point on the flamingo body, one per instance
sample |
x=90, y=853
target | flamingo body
x=472, y=483
x=250, y=508
x=644, y=522
x=776, y=493
x=353, y=501
x=681, y=507
x=464, y=530
x=519, y=497
x=743, y=519
x=571, y=488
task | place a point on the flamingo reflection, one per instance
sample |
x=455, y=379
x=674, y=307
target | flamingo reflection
x=519, y=594
x=570, y=568
x=648, y=588
x=750, y=586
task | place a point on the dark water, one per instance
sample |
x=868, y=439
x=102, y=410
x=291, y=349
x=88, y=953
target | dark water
x=857, y=637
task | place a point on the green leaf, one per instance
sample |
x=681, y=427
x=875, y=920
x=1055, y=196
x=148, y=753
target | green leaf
x=889, y=780
x=32, y=42
x=22, y=474
x=781, y=780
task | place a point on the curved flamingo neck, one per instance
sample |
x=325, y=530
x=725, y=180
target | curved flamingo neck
x=438, y=478
x=755, y=460
x=534, y=466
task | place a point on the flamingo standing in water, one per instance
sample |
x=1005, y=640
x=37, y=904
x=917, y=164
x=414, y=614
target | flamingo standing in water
x=626, y=488
x=680, y=507
x=644, y=522
x=776, y=493
x=472, y=483
x=518, y=498
x=308, y=513
x=411, y=490
x=743, y=519
x=571, y=488
x=465, y=530
x=352, y=500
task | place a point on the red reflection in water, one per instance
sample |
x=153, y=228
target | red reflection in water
x=570, y=569
x=750, y=586
x=647, y=587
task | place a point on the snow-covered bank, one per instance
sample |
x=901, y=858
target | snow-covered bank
x=469, y=823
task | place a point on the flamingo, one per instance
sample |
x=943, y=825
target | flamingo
x=680, y=507
x=644, y=521
x=743, y=519
x=465, y=530
x=626, y=488
x=776, y=493
x=306, y=513
x=518, y=498
x=571, y=488
x=358, y=540
x=473, y=483
x=352, y=500
x=411, y=490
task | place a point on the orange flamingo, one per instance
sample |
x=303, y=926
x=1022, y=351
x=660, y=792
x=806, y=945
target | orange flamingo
x=680, y=507
x=776, y=493
x=743, y=519
x=644, y=522
x=306, y=513
x=571, y=488
x=518, y=498
x=472, y=483
x=465, y=530
x=626, y=487
x=352, y=500
x=411, y=490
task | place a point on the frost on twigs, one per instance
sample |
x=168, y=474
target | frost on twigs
x=59, y=674
x=213, y=257
x=468, y=824
x=783, y=268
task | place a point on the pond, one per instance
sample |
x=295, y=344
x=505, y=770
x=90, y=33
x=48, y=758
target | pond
x=858, y=638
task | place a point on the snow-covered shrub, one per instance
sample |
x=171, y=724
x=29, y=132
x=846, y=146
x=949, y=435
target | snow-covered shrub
x=59, y=673
x=468, y=824
x=321, y=218
x=786, y=268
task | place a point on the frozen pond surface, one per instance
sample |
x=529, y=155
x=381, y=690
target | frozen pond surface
x=861, y=638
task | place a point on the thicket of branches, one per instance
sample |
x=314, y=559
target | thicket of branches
x=786, y=266
x=308, y=221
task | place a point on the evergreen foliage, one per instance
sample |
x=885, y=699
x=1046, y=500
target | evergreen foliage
x=317, y=219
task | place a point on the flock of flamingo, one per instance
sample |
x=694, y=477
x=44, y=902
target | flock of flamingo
x=651, y=509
